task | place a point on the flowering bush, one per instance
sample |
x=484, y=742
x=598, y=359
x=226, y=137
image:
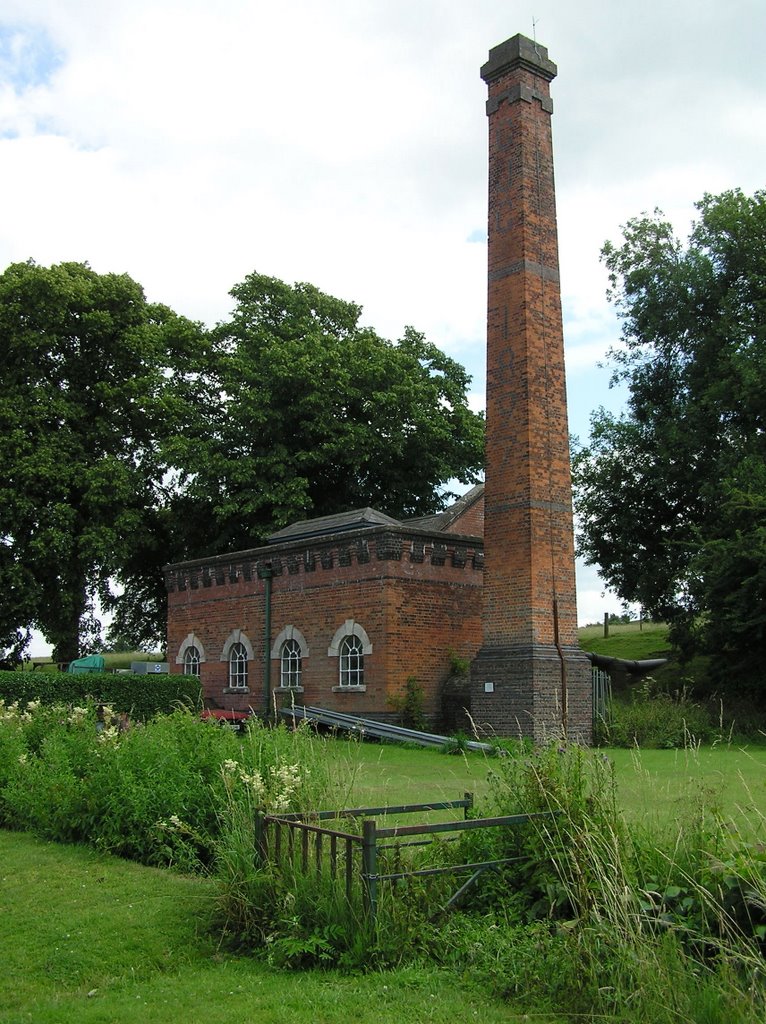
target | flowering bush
x=160, y=793
x=273, y=791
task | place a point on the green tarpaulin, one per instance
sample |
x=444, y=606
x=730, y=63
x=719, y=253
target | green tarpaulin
x=93, y=663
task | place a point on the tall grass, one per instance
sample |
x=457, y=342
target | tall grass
x=647, y=718
x=259, y=905
x=659, y=928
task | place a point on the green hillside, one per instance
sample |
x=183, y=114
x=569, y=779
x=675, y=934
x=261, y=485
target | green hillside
x=632, y=641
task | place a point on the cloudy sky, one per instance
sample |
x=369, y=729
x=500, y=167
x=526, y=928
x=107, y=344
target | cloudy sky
x=343, y=142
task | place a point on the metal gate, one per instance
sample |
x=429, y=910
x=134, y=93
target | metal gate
x=302, y=842
x=602, y=694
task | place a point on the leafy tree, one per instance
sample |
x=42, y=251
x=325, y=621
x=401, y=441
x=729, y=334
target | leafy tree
x=130, y=438
x=320, y=415
x=671, y=493
x=96, y=383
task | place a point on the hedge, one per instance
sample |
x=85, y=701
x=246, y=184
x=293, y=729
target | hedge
x=142, y=696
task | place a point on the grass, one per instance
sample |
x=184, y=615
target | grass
x=633, y=641
x=89, y=938
x=653, y=785
x=93, y=939
x=656, y=786
x=383, y=773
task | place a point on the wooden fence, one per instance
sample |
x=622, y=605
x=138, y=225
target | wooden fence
x=301, y=841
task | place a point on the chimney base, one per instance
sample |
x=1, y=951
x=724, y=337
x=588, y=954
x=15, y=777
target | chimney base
x=532, y=692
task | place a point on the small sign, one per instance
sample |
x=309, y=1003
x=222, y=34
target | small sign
x=489, y=687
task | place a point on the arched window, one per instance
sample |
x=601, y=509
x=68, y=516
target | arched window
x=291, y=649
x=238, y=667
x=290, y=664
x=190, y=655
x=237, y=651
x=191, y=661
x=350, y=646
x=351, y=661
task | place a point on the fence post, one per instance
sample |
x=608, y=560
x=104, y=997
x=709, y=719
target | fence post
x=370, y=869
x=468, y=797
x=259, y=828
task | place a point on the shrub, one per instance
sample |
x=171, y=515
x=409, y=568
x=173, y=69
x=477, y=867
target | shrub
x=655, y=720
x=409, y=706
x=140, y=696
x=156, y=793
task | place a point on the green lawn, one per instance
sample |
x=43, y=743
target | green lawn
x=661, y=787
x=653, y=786
x=94, y=940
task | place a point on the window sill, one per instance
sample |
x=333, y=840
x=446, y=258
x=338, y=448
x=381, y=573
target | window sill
x=287, y=689
x=349, y=689
x=236, y=689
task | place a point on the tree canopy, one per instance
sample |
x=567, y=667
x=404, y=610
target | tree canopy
x=96, y=380
x=131, y=437
x=670, y=495
x=318, y=414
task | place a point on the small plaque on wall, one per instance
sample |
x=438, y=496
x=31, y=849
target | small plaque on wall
x=489, y=687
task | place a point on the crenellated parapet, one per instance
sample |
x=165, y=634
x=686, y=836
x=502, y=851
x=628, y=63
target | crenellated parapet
x=334, y=554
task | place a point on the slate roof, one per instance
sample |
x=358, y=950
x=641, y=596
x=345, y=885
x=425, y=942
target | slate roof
x=367, y=518
x=341, y=522
x=440, y=521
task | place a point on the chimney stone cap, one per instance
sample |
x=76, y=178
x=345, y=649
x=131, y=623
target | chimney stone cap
x=516, y=52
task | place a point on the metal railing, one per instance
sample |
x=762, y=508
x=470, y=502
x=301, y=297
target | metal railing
x=602, y=693
x=283, y=839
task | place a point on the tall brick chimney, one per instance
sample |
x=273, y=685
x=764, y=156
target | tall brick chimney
x=529, y=678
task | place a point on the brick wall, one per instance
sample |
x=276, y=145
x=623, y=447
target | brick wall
x=471, y=522
x=417, y=597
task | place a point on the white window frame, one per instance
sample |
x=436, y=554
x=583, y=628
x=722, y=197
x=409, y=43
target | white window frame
x=290, y=667
x=290, y=634
x=350, y=641
x=192, y=661
x=192, y=640
x=238, y=667
x=351, y=663
x=232, y=653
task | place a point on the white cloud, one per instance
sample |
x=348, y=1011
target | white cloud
x=344, y=143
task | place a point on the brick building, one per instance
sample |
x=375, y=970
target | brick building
x=338, y=612
x=341, y=611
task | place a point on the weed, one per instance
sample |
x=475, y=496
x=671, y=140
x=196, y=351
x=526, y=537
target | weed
x=651, y=719
x=409, y=706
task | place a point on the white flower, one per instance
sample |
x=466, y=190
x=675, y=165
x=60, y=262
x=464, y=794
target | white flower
x=255, y=782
